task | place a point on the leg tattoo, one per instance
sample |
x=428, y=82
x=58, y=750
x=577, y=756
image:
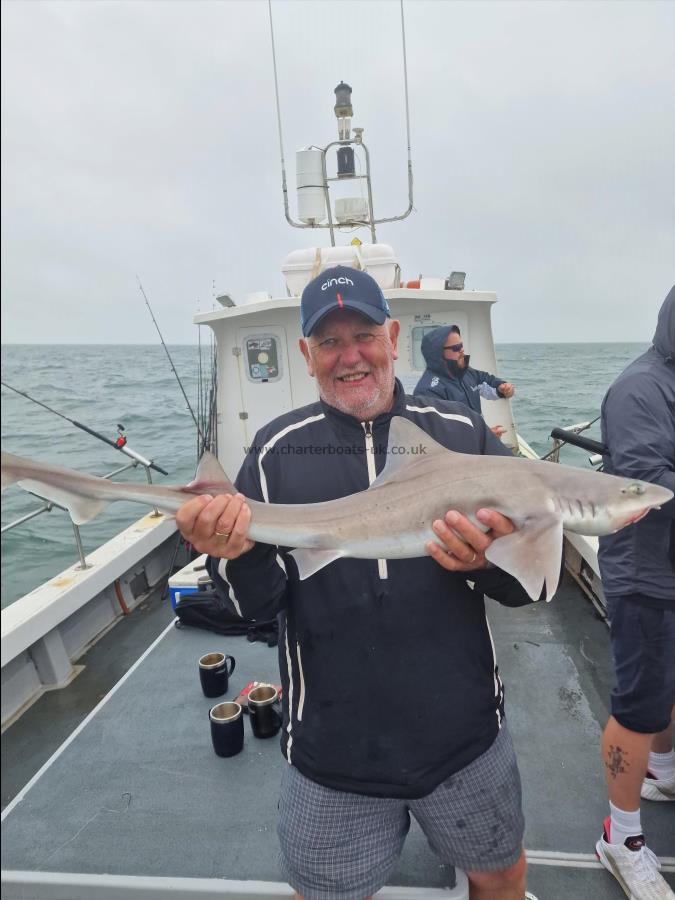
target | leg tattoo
x=616, y=761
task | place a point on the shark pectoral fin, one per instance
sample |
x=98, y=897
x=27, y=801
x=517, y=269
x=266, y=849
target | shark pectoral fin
x=81, y=509
x=532, y=554
x=311, y=561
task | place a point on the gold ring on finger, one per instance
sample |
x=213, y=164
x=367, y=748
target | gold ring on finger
x=223, y=534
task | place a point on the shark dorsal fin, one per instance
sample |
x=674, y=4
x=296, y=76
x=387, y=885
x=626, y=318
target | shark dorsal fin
x=210, y=472
x=407, y=443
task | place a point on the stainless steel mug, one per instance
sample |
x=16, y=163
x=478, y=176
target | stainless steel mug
x=214, y=671
x=227, y=728
x=264, y=711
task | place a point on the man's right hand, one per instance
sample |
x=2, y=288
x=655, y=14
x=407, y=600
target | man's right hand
x=216, y=526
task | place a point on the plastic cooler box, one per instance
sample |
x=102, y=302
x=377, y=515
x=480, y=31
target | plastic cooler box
x=377, y=260
x=187, y=581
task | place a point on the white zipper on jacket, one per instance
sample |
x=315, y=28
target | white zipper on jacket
x=372, y=475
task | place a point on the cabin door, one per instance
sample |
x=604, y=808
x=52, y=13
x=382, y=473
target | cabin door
x=264, y=376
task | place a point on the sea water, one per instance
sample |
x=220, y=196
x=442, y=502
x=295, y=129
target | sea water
x=134, y=386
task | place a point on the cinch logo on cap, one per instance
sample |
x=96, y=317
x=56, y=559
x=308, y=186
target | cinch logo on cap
x=341, y=280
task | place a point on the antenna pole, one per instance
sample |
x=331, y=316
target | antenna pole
x=284, y=186
x=407, y=111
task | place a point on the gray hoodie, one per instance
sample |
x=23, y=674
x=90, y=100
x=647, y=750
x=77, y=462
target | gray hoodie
x=638, y=427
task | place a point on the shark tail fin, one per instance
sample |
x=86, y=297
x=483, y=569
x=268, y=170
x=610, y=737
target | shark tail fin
x=7, y=479
x=9, y=475
x=41, y=482
x=81, y=508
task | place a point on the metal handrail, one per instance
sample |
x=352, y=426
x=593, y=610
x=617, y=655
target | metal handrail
x=48, y=505
x=562, y=436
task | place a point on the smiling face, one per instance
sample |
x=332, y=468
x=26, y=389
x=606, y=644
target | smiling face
x=352, y=360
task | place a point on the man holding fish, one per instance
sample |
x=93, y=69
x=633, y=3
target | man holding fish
x=366, y=555
x=393, y=702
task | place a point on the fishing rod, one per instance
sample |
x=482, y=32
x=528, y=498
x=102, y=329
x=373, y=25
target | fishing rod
x=567, y=437
x=120, y=444
x=166, y=350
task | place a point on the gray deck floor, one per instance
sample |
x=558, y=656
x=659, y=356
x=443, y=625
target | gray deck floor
x=40, y=731
x=139, y=790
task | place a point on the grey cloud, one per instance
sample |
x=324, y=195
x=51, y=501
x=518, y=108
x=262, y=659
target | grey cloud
x=140, y=138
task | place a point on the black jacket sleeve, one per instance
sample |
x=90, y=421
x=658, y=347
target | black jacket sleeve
x=254, y=584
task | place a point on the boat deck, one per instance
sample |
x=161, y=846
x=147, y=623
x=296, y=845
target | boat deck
x=137, y=791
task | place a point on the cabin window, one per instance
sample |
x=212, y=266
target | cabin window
x=262, y=358
x=417, y=333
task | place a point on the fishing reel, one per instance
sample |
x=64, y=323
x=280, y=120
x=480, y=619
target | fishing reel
x=122, y=438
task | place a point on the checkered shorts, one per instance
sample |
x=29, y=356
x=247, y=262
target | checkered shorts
x=336, y=844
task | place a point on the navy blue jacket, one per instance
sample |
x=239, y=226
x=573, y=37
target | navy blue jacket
x=465, y=385
x=389, y=676
x=638, y=428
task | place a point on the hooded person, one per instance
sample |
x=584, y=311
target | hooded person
x=637, y=566
x=448, y=374
x=638, y=428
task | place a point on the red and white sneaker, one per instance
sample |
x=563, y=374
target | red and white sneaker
x=654, y=788
x=634, y=866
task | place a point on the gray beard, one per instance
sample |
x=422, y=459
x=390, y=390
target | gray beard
x=367, y=411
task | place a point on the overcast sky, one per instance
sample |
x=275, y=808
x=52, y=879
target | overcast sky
x=141, y=139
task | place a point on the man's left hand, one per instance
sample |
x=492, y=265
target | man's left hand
x=506, y=389
x=464, y=544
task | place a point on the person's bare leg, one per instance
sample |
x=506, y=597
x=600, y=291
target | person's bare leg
x=663, y=741
x=624, y=754
x=507, y=884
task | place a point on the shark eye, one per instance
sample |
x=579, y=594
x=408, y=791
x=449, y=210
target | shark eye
x=636, y=488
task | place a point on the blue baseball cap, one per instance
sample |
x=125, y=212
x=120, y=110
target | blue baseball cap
x=342, y=288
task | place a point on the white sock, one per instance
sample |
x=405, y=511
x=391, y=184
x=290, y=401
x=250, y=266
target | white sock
x=623, y=824
x=662, y=765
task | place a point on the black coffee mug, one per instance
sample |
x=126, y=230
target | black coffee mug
x=227, y=728
x=214, y=672
x=264, y=711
